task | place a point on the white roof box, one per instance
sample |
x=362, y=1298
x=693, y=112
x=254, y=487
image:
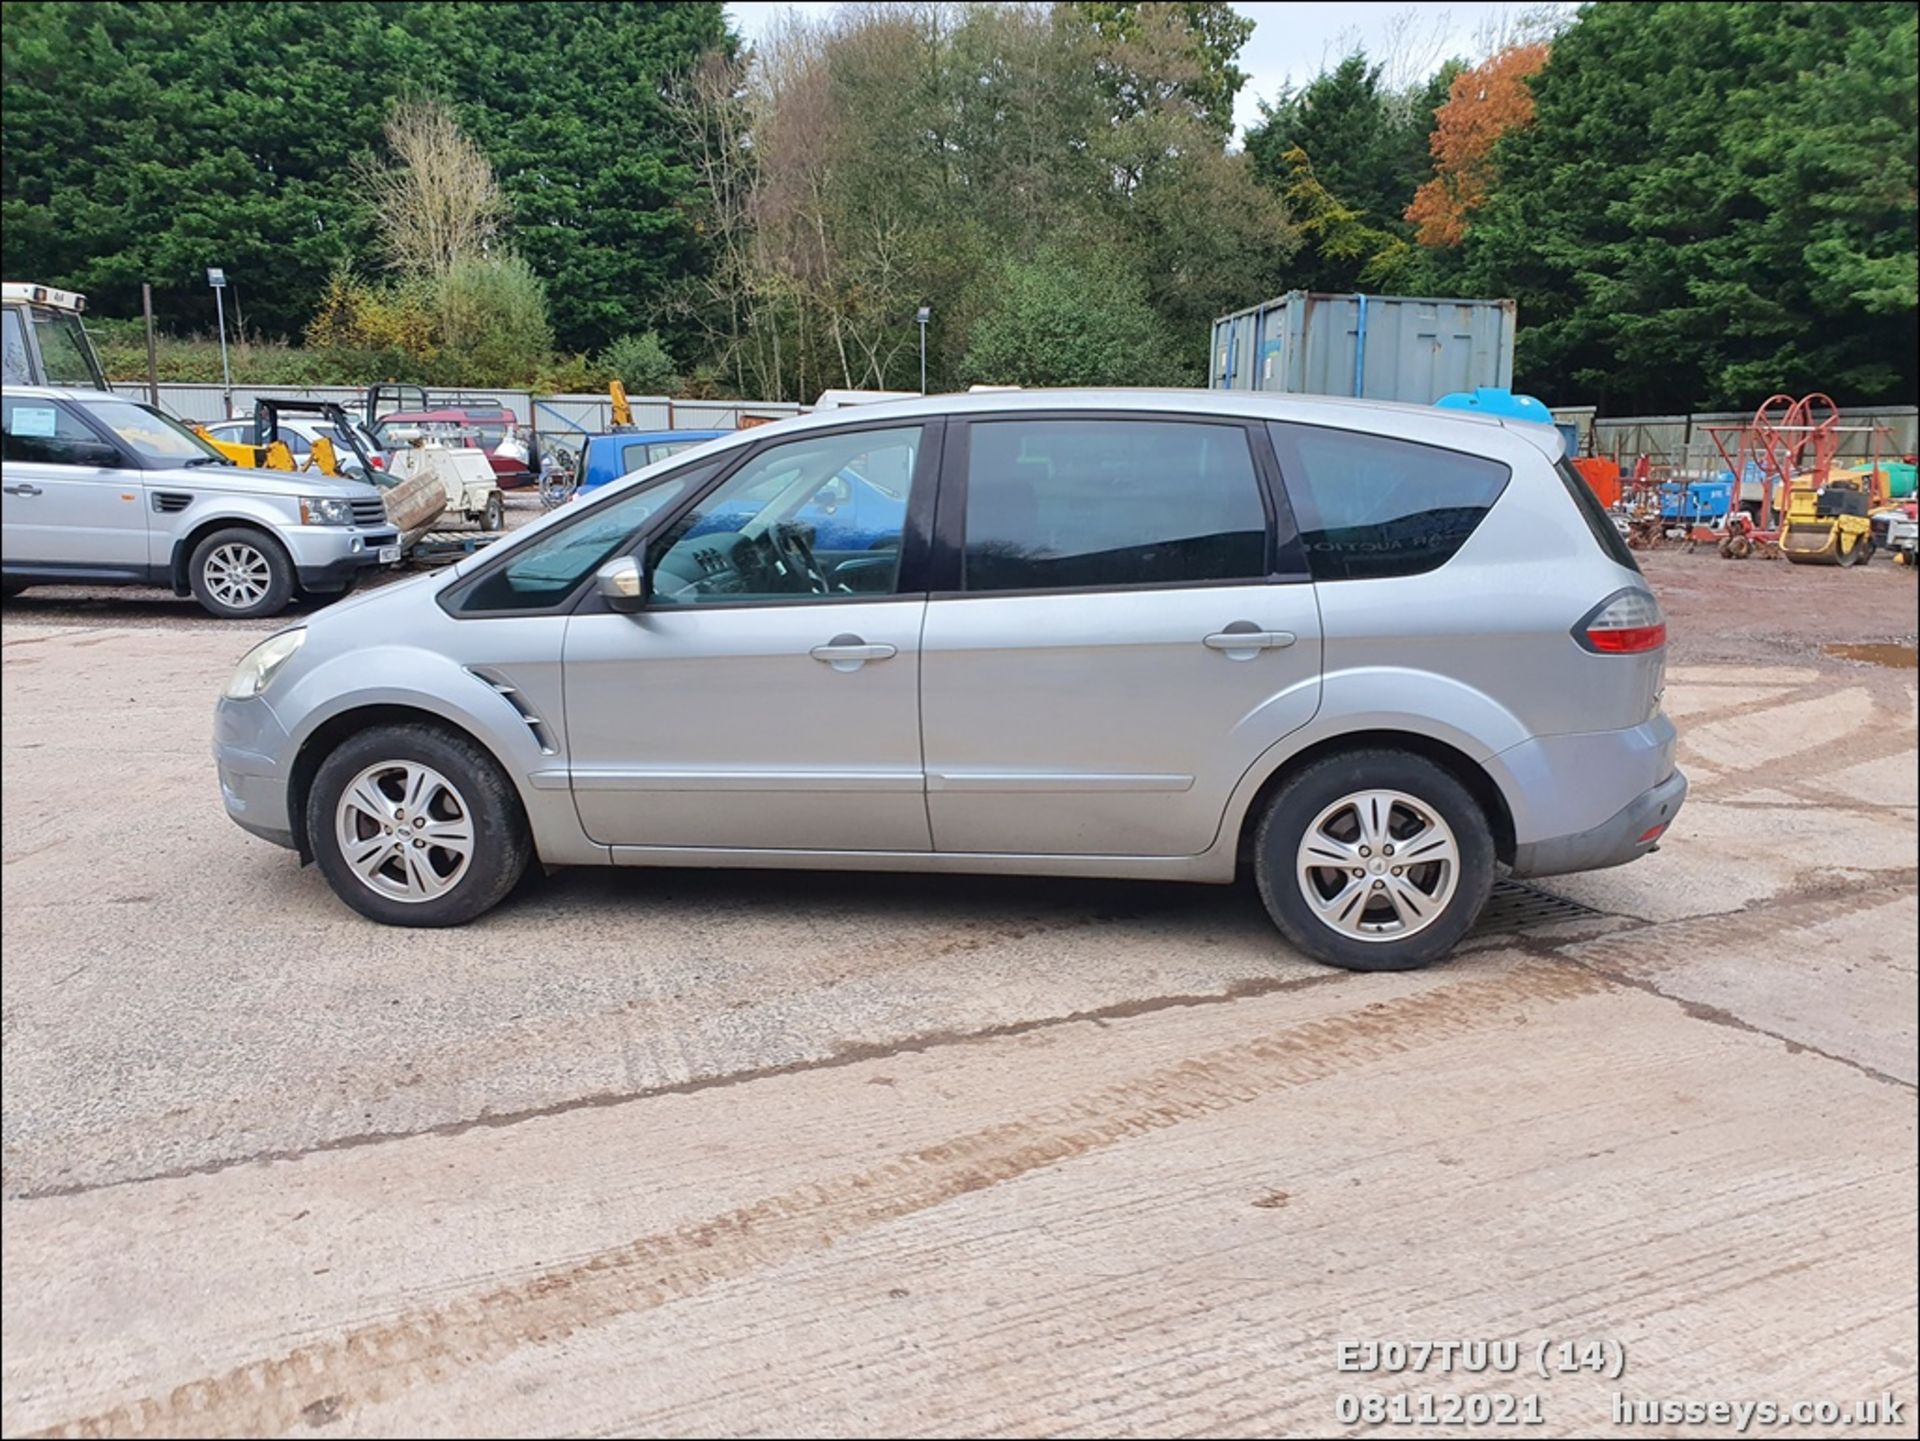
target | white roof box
x=17, y=293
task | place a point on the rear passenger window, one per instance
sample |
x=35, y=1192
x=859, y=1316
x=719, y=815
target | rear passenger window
x=1071, y=504
x=1368, y=506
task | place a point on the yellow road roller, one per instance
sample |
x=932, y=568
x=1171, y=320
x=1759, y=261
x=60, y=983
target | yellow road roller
x=1828, y=524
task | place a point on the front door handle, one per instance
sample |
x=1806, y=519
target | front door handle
x=850, y=652
x=23, y=490
x=1240, y=641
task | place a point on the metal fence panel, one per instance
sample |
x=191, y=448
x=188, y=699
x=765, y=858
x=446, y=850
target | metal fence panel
x=1684, y=442
x=553, y=416
x=205, y=404
x=560, y=416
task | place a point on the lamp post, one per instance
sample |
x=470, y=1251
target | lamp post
x=922, y=316
x=217, y=278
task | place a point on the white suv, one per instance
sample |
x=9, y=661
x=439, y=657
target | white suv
x=100, y=489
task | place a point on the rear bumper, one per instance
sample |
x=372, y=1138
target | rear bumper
x=1628, y=835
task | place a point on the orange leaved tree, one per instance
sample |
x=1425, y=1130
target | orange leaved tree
x=1485, y=103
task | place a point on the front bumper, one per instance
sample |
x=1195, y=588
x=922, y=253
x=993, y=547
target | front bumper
x=330, y=557
x=1628, y=835
x=253, y=752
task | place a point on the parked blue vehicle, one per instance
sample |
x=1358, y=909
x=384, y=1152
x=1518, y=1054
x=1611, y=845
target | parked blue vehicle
x=608, y=457
x=849, y=512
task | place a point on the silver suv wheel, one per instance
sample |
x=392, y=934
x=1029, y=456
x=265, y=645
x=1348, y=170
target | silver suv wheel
x=238, y=575
x=1378, y=865
x=405, y=831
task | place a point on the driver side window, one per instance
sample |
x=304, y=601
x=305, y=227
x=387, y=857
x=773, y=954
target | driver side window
x=548, y=571
x=816, y=518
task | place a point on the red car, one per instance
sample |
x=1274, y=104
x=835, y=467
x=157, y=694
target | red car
x=513, y=449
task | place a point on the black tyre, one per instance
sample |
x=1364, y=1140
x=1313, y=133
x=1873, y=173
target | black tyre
x=496, y=516
x=1376, y=860
x=414, y=825
x=240, y=573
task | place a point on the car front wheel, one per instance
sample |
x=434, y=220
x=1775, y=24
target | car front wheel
x=240, y=573
x=413, y=825
x=1377, y=860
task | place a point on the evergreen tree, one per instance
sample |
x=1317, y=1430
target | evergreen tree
x=1713, y=202
x=149, y=141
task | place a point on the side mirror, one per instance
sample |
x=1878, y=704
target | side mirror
x=91, y=452
x=834, y=494
x=622, y=584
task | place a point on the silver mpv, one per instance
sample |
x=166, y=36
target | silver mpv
x=1371, y=653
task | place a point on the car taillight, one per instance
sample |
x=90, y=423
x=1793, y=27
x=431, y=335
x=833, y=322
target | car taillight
x=1628, y=622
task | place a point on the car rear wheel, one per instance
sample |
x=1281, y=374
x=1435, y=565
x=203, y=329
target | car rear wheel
x=1376, y=860
x=240, y=573
x=413, y=825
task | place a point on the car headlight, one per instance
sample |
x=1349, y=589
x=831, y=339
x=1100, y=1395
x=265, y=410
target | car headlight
x=258, y=665
x=325, y=510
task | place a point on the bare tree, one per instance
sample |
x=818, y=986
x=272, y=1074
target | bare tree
x=1412, y=44
x=1537, y=24
x=436, y=200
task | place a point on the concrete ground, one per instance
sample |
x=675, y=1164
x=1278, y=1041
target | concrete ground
x=766, y=1153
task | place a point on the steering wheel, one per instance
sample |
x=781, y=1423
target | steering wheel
x=792, y=543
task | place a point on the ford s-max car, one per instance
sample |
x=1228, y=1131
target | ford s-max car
x=1369, y=653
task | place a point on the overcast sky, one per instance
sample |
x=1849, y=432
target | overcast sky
x=1291, y=42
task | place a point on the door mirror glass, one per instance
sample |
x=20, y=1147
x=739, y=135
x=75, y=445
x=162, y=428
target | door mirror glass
x=622, y=584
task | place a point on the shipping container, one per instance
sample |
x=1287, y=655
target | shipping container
x=1383, y=347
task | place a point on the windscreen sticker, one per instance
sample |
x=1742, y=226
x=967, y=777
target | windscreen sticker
x=40, y=420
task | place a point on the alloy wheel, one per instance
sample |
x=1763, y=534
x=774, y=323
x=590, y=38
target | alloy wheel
x=238, y=575
x=405, y=831
x=1378, y=865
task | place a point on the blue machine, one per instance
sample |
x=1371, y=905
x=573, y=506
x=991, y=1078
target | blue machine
x=1492, y=400
x=1697, y=502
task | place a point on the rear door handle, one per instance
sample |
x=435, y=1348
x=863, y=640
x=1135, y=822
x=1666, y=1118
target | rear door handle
x=850, y=652
x=1245, y=644
x=23, y=490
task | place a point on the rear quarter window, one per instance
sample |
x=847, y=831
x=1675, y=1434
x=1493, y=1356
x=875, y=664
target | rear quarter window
x=1369, y=506
x=1605, y=533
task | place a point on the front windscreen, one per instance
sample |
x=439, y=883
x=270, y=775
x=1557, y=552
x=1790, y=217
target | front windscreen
x=65, y=352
